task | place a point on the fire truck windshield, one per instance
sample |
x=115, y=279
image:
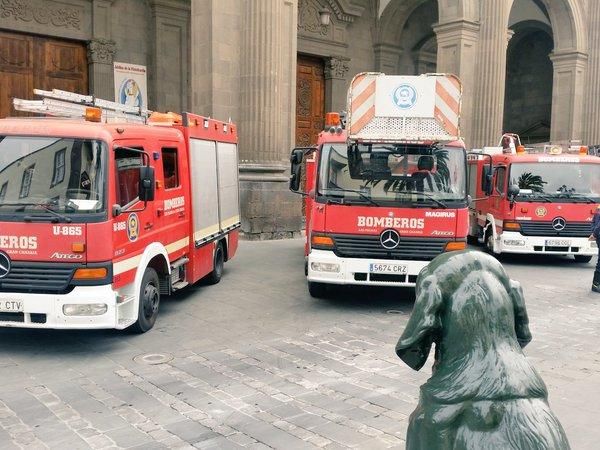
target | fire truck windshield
x=59, y=178
x=393, y=174
x=557, y=182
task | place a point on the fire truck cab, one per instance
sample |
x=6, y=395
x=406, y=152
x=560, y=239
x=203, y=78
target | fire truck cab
x=387, y=194
x=103, y=214
x=542, y=199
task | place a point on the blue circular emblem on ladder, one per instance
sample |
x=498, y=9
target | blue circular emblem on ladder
x=405, y=96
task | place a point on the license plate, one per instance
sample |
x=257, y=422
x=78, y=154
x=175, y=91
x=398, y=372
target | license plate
x=557, y=243
x=11, y=306
x=388, y=268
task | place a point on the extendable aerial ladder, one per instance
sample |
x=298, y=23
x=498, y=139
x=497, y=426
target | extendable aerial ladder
x=69, y=104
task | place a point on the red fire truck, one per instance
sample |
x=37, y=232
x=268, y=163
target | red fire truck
x=389, y=193
x=542, y=199
x=102, y=215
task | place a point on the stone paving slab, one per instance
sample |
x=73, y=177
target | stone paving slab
x=256, y=363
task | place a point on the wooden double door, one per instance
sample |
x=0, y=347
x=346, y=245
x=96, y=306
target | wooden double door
x=310, y=100
x=28, y=62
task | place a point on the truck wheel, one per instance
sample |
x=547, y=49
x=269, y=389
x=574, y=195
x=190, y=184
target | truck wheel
x=317, y=290
x=218, y=261
x=149, y=301
x=583, y=258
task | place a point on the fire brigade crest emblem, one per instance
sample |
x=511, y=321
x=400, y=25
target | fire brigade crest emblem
x=540, y=211
x=405, y=96
x=133, y=227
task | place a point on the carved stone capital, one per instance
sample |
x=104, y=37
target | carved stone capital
x=336, y=67
x=101, y=51
x=43, y=13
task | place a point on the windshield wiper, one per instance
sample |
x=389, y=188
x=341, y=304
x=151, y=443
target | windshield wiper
x=427, y=195
x=42, y=205
x=534, y=197
x=579, y=196
x=367, y=198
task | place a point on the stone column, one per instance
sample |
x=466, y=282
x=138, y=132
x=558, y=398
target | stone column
x=169, y=63
x=336, y=69
x=387, y=57
x=267, y=113
x=100, y=61
x=568, y=95
x=101, y=51
x=490, y=78
x=591, y=118
x=457, y=49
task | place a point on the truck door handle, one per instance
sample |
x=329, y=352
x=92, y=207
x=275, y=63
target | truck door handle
x=181, y=214
x=148, y=225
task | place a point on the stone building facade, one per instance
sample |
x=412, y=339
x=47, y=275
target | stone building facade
x=273, y=67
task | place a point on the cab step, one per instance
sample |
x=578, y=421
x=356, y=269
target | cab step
x=179, y=285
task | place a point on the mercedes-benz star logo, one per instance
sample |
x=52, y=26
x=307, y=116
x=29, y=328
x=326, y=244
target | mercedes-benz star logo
x=4, y=264
x=389, y=239
x=559, y=224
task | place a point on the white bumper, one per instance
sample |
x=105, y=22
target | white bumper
x=350, y=267
x=513, y=242
x=35, y=306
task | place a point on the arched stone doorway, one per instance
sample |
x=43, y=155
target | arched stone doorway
x=406, y=43
x=545, y=70
x=529, y=76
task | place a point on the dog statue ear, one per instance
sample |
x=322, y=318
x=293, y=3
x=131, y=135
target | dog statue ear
x=521, y=319
x=415, y=343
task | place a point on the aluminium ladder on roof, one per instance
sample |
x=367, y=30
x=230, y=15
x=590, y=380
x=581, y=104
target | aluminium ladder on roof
x=69, y=104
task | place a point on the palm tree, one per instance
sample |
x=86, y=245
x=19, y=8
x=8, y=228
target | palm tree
x=529, y=181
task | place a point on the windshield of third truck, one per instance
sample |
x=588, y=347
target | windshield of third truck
x=557, y=182
x=393, y=174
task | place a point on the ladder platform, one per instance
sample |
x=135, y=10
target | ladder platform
x=70, y=104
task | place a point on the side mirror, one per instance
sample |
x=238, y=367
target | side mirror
x=295, y=177
x=296, y=159
x=146, y=187
x=513, y=191
x=297, y=156
x=486, y=180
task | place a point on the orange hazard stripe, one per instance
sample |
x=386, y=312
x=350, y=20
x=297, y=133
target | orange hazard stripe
x=361, y=98
x=447, y=124
x=360, y=123
x=443, y=94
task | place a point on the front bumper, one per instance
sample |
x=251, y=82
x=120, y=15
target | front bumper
x=514, y=242
x=357, y=270
x=46, y=310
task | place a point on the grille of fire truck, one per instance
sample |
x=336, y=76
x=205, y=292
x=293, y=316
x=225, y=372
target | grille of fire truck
x=69, y=104
x=361, y=246
x=37, y=277
x=572, y=229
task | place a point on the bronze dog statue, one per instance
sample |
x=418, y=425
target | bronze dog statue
x=483, y=393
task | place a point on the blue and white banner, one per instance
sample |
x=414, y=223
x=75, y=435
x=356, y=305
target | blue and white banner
x=131, y=84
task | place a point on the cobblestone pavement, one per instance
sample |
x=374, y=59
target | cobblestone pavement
x=254, y=363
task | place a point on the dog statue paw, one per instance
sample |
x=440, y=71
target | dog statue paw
x=483, y=393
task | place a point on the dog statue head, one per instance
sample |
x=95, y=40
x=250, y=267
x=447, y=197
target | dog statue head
x=446, y=285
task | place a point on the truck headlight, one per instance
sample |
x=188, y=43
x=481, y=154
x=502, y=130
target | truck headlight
x=93, y=309
x=324, y=267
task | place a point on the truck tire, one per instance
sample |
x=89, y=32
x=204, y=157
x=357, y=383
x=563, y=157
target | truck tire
x=149, y=301
x=218, y=262
x=317, y=290
x=583, y=258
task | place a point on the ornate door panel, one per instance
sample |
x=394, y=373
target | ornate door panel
x=28, y=62
x=16, y=70
x=310, y=100
x=64, y=66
